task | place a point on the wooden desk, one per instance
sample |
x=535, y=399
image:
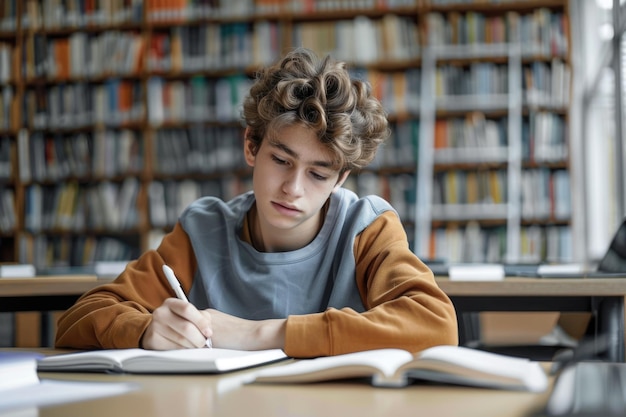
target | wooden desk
x=49, y=293
x=41, y=294
x=602, y=297
x=223, y=395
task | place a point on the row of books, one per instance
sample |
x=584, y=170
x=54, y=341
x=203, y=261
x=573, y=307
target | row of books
x=96, y=155
x=81, y=13
x=72, y=207
x=308, y=6
x=398, y=91
x=400, y=151
x=544, y=84
x=214, y=46
x=172, y=10
x=46, y=252
x=476, y=138
x=398, y=189
x=472, y=2
x=477, y=78
x=470, y=243
x=475, y=243
x=475, y=187
x=540, y=32
x=547, y=84
x=82, y=54
x=544, y=137
x=196, y=99
x=114, y=102
x=546, y=194
x=54, y=14
x=238, y=45
x=202, y=149
x=471, y=134
x=362, y=40
x=168, y=199
x=112, y=206
x=198, y=150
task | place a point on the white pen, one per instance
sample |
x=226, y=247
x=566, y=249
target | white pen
x=178, y=290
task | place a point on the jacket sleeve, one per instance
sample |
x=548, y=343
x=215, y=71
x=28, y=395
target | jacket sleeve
x=104, y=318
x=405, y=308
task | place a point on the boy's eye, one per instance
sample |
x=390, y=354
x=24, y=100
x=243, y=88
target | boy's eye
x=318, y=176
x=278, y=160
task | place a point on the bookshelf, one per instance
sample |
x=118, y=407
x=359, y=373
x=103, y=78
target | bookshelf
x=494, y=133
x=121, y=114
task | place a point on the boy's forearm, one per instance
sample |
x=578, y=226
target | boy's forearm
x=270, y=334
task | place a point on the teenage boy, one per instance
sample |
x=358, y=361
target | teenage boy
x=299, y=263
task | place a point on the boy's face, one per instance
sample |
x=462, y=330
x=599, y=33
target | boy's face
x=293, y=177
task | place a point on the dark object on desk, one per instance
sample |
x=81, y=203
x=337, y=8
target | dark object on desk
x=586, y=383
x=614, y=260
x=588, y=349
x=588, y=388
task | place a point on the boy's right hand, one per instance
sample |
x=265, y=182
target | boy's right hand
x=177, y=324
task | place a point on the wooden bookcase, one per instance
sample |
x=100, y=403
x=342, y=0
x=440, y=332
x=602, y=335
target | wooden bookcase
x=120, y=116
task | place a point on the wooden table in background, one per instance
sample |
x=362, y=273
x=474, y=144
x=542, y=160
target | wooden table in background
x=48, y=293
x=34, y=300
x=602, y=297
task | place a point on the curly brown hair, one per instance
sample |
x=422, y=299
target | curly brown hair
x=321, y=95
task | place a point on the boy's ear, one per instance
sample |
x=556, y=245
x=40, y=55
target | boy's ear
x=342, y=179
x=248, y=149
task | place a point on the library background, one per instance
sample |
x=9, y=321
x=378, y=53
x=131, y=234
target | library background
x=507, y=141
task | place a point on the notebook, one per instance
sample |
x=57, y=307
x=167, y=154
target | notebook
x=142, y=361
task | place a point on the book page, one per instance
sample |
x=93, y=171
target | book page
x=110, y=359
x=383, y=362
x=200, y=360
x=457, y=364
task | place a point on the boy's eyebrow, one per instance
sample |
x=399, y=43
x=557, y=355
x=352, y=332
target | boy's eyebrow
x=293, y=154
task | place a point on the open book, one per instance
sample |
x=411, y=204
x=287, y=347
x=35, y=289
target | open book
x=142, y=361
x=396, y=368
